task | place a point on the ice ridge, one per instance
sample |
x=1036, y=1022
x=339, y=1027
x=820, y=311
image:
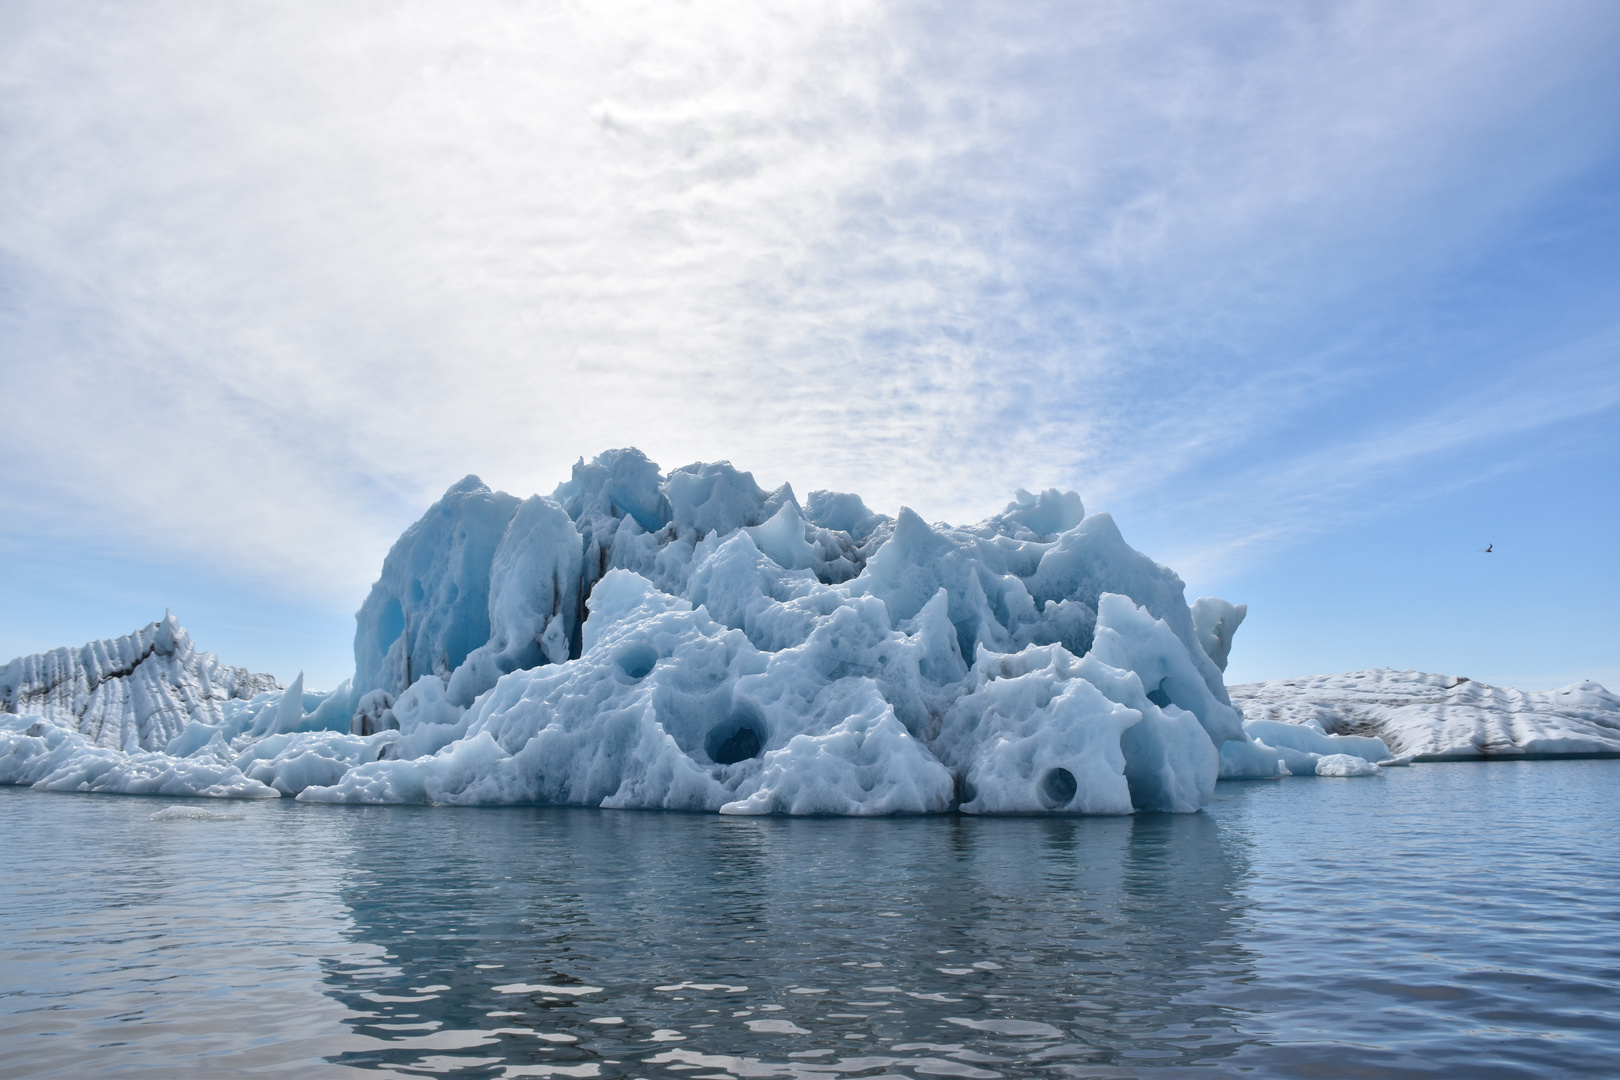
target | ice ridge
x=1442, y=717
x=135, y=692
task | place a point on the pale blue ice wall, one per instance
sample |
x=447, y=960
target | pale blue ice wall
x=430, y=607
x=1032, y=646
x=478, y=575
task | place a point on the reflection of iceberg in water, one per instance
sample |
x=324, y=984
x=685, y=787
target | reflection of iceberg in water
x=137, y=942
x=929, y=945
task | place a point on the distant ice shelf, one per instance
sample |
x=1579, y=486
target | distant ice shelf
x=692, y=641
x=1442, y=717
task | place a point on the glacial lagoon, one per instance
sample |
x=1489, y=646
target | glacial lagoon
x=1438, y=920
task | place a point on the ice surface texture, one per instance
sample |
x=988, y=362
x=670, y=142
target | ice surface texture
x=1442, y=717
x=131, y=693
x=695, y=642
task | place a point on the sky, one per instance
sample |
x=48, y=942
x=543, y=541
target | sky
x=1318, y=300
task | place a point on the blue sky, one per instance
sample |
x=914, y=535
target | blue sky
x=1317, y=300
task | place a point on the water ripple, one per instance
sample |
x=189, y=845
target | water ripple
x=1451, y=920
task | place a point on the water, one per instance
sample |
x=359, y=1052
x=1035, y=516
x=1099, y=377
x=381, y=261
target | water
x=1442, y=920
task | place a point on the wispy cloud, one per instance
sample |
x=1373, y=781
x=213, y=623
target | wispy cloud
x=275, y=274
x=1323, y=488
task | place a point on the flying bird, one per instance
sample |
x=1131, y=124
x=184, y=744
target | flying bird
x=1489, y=546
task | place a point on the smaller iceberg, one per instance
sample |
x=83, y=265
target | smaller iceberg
x=1424, y=717
x=49, y=756
x=1344, y=765
x=1298, y=750
x=136, y=692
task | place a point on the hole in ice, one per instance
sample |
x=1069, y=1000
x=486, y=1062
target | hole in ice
x=1059, y=786
x=741, y=745
x=738, y=738
x=1158, y=696
x=637, y=661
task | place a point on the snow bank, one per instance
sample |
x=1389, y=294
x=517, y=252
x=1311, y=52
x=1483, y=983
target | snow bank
x=1438, y=717
x=697, y=642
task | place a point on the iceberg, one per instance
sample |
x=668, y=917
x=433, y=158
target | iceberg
x=1426, y=717
x=1301, y=750
x=693, y=641
x=1344, y=765
x=136, y=692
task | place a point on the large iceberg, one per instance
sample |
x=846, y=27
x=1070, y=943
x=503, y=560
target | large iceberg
x=692, y=641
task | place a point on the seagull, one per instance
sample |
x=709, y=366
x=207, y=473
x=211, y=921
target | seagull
x=1488, y=547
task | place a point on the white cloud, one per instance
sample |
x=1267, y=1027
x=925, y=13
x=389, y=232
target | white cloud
x=279, y=272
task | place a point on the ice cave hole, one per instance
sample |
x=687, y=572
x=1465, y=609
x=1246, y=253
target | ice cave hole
x=737, y=738
x=1158, y=696
x=1060, y=786
x=637, y=661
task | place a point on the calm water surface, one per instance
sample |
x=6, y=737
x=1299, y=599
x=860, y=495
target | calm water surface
x=1442, y=920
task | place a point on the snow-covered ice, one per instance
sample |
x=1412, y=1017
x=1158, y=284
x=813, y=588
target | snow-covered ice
x=1301, y=749
x=135, y=692
x=1344, y=765
x=1441, y=717
x=692, y=641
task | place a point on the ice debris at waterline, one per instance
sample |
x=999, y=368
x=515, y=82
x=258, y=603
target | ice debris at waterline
x=193, y=813
x=694, y=642
x=1439, y=717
